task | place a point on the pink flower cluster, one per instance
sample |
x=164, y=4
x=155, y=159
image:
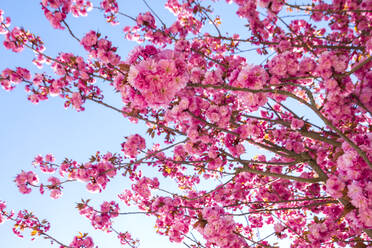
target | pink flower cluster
x=95, y=174
x=111, y=9
x=146, y=28
x=77, y=101
x=320, y=231
x=100, y=48
x=143, y=185
x=284, y=64
x=335, y=187
x=15, y=40
x=252, y=77
x=297, y=123
x=81, y=7
x=101, y=219
x=133, y=145
x=279, y=228
x=55, y=17
x=219, y=115
x=353, y=180
x=82, y=241
x=4, y=23
x=2, y=211
x=365, y=91
x=146, y=19
x=330, y=63
x=186, y=21
x=10, y=78
x=62, y=8
x=171, y=219
x=235, y=147
x=55, y=187
x=159, y=77
x=126, y=239
x=146, y=24
x=46, y=165
x=24, y=179
x=220, y=229
x=27, y=220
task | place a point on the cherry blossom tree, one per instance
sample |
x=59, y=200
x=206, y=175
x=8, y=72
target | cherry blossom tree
x=195, y=87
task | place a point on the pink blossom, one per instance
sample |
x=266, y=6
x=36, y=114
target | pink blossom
x=279, y=228
x=55, y=187
x=366, y=217
x=77, y=101
x=49, y=158
x=146, y=19
x=2, y=206
x=335, y=187
x=159, y=78
x=5, y=23
x=133, y=145
x=82, y=242
x=24, y=179
x=297, y=123
x=89, y=40
x=111, y=9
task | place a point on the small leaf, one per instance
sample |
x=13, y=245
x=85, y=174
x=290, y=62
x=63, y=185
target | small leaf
x=80, y=236
x=360, y=244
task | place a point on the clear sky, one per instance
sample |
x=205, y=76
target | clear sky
x=27, y=129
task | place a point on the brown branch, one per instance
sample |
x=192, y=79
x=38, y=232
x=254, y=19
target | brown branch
x=315, y=204
x=311, y=105
x=277, y=175
x=70, y=31
x=334, y=128
x=329, y=11
x=278, y=202
x=358, y=66
x=346, y=47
